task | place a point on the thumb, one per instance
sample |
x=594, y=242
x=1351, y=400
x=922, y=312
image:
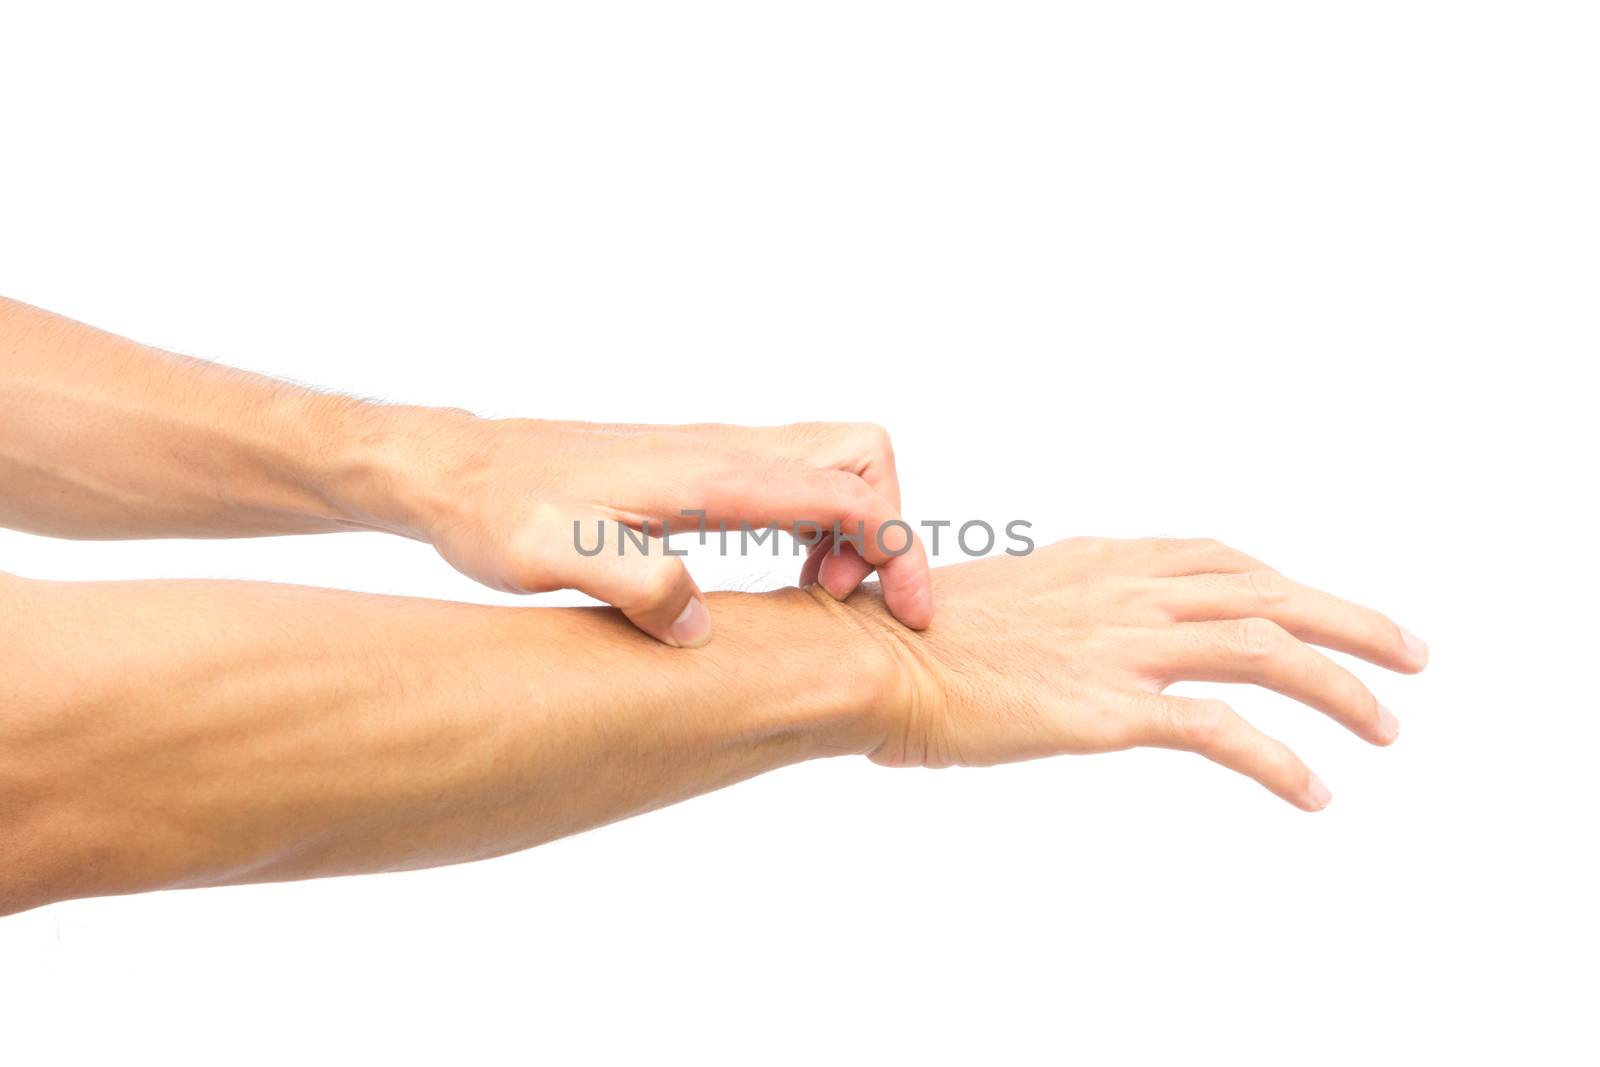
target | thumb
x=655, y=592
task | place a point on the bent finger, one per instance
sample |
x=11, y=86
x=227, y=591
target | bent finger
x=1261, y=652
x=860, y=448
x=654, y=591
x=1214, y=730
x=793, y=495
x=812, y=567
x=842, y=571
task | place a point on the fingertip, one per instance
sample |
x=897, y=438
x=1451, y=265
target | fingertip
x=1416, y=649
x=692, y=627
x=908, y=587
x=842, y=574
x=836, y=586
x=810, y=569
x=1388, y=726
x=1316, y=795
x=913, y=607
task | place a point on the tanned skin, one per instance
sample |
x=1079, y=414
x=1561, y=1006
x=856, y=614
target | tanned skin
x=157, y=735
x=107, y=438
x=164, y=734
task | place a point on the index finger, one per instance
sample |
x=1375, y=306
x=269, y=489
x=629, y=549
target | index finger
x=791, y=493
x=860, y=448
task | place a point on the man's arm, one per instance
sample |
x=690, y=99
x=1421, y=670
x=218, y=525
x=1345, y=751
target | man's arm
x=107, y=438
x=164, y=734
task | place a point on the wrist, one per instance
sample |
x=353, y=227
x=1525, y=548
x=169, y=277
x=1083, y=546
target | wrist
x=911, y=689
x=387, y=467
x=865, y=668
x=802, y=673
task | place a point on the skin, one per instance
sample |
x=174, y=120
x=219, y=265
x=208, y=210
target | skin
x=168, y=734
x=107, y=438
x=158, y=735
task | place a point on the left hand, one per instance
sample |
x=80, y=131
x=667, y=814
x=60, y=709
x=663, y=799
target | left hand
x=1070, y=650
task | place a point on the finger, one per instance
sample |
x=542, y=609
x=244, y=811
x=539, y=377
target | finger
x=791, y=493
x=1260, y=651
x=654, y=591
x=1169, y=557
x=815, y=555
x=1214, y=730
x=842, y=571
x=1310, y=614
x=860, y=448
x=878, y=469
x=863, y=449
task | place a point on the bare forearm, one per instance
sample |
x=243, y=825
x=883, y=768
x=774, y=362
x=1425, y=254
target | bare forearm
x=194, y=733
x=107, y=438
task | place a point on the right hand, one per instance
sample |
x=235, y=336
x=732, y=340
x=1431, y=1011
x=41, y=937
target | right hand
x=500, y=498
x=1069, y=651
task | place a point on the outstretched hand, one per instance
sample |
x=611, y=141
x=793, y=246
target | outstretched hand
x=1069, y=650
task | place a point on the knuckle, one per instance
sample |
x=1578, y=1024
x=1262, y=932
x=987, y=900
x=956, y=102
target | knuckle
x=1259, y=638
x=1266, y=587
x=1199, y=723
x=848, y=491
x=532, y=574
x=656, y=587
x=550, y=520
x=1139, y=598
x=1218, y=553
x=533, y=552
x=1208, y=546
x=1097, y=550
x=875, y=436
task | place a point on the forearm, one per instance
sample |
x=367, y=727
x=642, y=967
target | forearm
x=163, y=734
x=107, y=438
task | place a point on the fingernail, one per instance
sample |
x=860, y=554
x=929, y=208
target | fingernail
x=1388, y=725
x=692, y=628
x=1414, y=645
x=1317, y=793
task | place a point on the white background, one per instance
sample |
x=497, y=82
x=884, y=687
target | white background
x=1320, y=280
